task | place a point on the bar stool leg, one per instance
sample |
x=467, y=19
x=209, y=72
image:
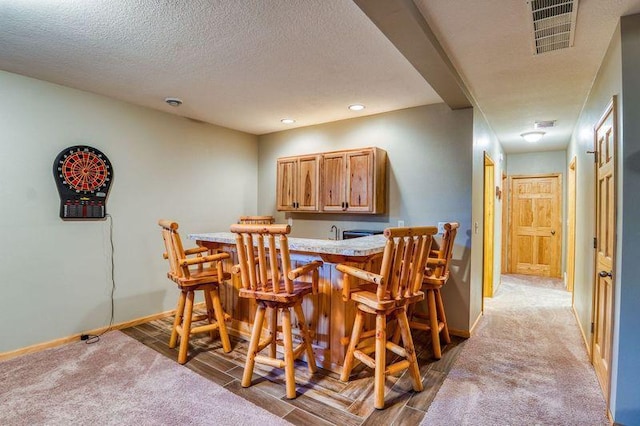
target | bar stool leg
x=186, y=328
x=177, y=320
x=433, y=321
x=273, y=331
x=306, y=338
x=210, y=310
x=253, y=346
x=381, y=359
x=442, y=317
x=290, y=377
x=355, y=339
x=219, y=313
x=414, y=370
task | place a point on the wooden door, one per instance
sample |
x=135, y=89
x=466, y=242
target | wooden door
x=307, y=183
x=489, y=218
x=571, y=225
x=536, y=227
x=334, y=171
x=359, y=184
x=606, y=142
x=286, y=184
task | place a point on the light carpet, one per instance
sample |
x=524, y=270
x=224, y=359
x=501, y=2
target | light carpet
x=117, y=381
x=526, y=364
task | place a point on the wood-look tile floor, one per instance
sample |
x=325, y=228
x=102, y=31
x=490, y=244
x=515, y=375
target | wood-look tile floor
x=322, y=398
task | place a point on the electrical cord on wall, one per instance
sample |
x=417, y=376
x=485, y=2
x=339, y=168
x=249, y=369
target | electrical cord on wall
x=93, y=338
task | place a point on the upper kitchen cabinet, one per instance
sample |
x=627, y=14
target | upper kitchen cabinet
x=297, y=186
x=354, y=181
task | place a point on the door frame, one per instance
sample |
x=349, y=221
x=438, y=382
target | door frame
x=488, y=226
x=504, y=258
x=571, y=225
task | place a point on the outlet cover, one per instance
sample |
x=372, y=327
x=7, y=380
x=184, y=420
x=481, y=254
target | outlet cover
x=441, y=227
x=400, y=223
x=290, y=221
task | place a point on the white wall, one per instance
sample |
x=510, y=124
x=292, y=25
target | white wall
x=56, y=274
x=429, y=166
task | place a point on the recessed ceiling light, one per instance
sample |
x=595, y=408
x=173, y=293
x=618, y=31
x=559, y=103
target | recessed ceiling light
x=288, y=121
x=174, y=102
x=532, y=136
x=356, y=107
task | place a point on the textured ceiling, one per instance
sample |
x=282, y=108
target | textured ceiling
x=489, y=43
x=246, y=64
x=242, y=64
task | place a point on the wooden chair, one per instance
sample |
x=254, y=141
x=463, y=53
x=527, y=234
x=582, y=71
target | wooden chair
x=398, y=284
x=267, y=278
x=436, y=275
x=190, y=280
x=256, y=220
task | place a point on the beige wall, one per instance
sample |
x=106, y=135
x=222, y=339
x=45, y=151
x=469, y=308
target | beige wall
x=607, y=84
x=484, y=141
x=56, y=274
x=532, y=163
x=429, y=166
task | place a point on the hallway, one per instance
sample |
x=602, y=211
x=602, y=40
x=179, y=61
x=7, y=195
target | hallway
x=525, y=364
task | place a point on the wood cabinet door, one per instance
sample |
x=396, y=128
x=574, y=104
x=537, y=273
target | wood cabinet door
x=359, y=183
x=333, y=182
x=286, y=184
x=307, y=188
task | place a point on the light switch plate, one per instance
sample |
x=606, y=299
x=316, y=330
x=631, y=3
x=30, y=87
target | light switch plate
x=400, y=223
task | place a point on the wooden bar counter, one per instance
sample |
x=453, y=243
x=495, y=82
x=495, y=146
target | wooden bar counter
x=329, y=317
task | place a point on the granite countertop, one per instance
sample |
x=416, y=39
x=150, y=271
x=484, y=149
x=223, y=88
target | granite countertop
x=363, y=246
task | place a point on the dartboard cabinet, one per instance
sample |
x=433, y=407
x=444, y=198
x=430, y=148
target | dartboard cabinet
x=83, y=176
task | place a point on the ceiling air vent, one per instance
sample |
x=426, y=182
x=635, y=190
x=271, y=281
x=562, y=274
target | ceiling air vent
x=554, y=24
x=544, y=124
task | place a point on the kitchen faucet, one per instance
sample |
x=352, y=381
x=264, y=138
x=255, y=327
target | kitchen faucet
x=334, y=229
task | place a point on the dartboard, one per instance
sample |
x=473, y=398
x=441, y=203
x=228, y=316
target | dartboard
x=84, y=169
x=83, y=176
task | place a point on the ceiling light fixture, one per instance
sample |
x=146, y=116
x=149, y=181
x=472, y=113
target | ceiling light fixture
x=288, y=121
x=174, y=102
x=532, y=136
x=356, y=107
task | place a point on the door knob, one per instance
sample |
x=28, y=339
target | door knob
x=553, y=232
x=605, y=274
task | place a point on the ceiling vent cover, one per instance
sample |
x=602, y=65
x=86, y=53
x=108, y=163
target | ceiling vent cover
x=544, y=124
x=554, y=24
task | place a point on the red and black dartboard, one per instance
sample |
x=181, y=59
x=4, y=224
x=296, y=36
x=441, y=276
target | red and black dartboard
x=83, y=176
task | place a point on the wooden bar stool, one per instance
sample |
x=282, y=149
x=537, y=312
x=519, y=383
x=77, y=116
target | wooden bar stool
x=190, y=280
x=267, y=278
x=398, y=284
x=256, y=220
x=436, y=275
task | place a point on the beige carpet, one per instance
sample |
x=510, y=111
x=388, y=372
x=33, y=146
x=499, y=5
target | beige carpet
x=117, y=381
x=525, y=365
